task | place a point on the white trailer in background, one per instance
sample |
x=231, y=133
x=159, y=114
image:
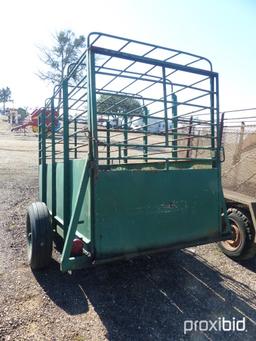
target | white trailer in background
x=155, y=125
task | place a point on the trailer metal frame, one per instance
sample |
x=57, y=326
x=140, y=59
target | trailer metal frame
x=123, y=191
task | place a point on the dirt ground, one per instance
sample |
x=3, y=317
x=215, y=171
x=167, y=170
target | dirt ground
x=148, y=298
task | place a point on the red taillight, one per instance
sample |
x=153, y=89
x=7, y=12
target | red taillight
x=77, y=247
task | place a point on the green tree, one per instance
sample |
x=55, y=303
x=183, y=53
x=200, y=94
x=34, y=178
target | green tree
x=5, y=96
x=112, y=105
x=66, y=49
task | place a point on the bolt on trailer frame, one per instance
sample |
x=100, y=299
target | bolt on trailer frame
x=110, y=175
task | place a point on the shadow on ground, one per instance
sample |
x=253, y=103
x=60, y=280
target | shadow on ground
x=250, y=264
x=150, y=298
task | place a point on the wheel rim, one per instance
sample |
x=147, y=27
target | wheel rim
x=233, y=244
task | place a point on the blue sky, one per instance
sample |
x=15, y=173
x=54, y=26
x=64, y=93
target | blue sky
x=222, y=30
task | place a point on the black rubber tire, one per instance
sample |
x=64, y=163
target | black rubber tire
x=39, y=236
x=246, y=248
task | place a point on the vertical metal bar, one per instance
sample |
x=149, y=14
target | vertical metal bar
x=92, y=109
x=39, y=120
x=108, y=143
x=53, y=121
x=197, y=142
x=125, y=138
x=145, y=137
x=221, y=135
x=119, y=154
x=93, y=138
x=40, y=154
x=189, y=137
x=222, y=127
x=217, y=119
x=66, y=175
x=75, y=138
x=222, y=204
x=165, y=108
x=212, y=114
x=43, y=155
x=175, y=126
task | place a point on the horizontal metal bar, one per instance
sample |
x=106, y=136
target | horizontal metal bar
x=139, y=129
x=157, y=158
x=147, y=60
x=237, y=110
x=129, y=66
x=152, y=78
x=79, y=146
x=151, y=46
x=77, y=132
x=239, y=118
x=158, y=146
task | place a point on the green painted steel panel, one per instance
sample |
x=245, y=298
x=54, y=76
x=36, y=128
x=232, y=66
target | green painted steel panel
x=84, y=225
x=75, y=169
x=59, y=189
x=49, y=186
x=40, y=182
x=142, y=210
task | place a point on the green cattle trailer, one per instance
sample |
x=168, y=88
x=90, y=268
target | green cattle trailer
x=117, y=190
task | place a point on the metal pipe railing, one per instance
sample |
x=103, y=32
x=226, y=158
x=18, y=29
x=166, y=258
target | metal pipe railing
x=189, y=124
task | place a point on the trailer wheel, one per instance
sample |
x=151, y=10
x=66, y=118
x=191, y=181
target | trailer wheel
x=242, y=246
x=39, y=236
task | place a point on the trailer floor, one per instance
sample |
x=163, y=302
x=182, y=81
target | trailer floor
x=148, y=298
